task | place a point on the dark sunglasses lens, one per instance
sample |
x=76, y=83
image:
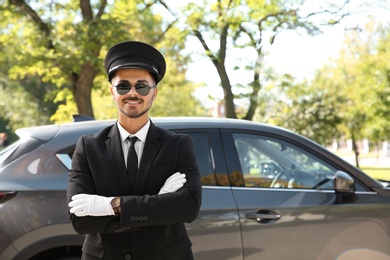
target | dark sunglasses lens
x=123, y=88
x=142, y=89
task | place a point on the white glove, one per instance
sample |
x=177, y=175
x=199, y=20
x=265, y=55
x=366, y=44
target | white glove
x=173, y=183
x=91, y=205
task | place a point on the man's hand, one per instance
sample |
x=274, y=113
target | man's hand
x=173, y=183
x=91, y=205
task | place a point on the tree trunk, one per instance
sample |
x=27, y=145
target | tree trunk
x=227, y=91
x=253, y=103
x=355, y=149
x=82, y=89
x=219, y=63
x=256, y=86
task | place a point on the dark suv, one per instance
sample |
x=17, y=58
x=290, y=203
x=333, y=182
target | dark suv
x=267, y=194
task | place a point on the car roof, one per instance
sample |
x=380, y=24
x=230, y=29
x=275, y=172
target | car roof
x=207, y=122
x=47, y=132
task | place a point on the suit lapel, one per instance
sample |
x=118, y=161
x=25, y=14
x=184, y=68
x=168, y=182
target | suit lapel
x=151, y=149
x=114, y=147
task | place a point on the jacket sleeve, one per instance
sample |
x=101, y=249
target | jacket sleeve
x=81, y=181
x=169, y=208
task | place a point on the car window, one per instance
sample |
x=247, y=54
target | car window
x=204, y=159
x=271, y=163
x=65, y=156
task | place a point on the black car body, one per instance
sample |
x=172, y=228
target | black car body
x=268, y=193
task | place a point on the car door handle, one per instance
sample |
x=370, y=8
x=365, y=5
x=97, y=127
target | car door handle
x=263, y=216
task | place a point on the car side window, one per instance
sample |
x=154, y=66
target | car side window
x=204, y=159
x=271, y=163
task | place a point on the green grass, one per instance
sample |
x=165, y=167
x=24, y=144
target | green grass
x=377, y=173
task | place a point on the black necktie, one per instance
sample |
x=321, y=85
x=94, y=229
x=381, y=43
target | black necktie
x=132, y=162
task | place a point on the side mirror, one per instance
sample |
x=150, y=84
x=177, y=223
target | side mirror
x=343, y=182
x=344, y=186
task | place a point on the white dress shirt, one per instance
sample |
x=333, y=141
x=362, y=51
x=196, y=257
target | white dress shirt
x=139, y=145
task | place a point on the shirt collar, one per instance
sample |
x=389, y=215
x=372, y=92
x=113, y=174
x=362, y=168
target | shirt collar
x=141, y=134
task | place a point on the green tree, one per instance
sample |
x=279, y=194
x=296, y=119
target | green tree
x=175, y=96
x=379, y=70
x=63, y=42
x=223, y=26
x=22, y=104
x=361, y=77
x=348, y=97
x=308, y=108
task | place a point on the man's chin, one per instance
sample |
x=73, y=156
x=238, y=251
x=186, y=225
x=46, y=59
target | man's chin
x=134, y=114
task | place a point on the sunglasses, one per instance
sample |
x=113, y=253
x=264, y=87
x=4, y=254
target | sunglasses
x=142, y=88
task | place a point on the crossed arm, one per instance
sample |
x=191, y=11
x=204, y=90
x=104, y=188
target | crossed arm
x=94, y=205
x=178, y=200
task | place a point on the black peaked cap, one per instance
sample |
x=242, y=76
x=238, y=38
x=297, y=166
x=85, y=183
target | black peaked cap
x=136, y=55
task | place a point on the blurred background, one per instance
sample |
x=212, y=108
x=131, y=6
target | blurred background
x=319, y=68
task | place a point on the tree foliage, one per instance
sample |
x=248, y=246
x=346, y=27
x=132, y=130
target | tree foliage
x=64, y=43
x=60, y=47
x=349, y=96
x=225, y=26
x=24, y=104
x=310, y=109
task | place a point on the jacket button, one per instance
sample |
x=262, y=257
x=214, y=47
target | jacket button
x=128, y=257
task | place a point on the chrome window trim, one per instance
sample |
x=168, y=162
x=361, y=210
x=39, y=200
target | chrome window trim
x=217, y=187
x=298, y=190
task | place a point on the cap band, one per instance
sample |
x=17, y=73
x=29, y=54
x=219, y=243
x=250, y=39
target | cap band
x=136, y=65
x=133, y=63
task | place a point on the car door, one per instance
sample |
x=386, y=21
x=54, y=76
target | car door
x=215, y=234
x=289, y=208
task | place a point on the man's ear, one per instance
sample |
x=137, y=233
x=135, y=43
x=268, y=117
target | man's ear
x=155, y=94
x=112, y=93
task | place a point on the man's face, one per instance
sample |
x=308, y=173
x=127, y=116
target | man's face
x=132, y=104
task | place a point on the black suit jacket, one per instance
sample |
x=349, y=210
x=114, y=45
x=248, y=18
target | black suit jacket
x=150, y=226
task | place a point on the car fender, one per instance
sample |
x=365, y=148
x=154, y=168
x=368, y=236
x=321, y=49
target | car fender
x=42, y=239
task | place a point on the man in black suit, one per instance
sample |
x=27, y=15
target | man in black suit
x=132, y=196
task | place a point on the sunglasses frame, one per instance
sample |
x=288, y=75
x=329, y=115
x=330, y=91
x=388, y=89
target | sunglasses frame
x=140, y=87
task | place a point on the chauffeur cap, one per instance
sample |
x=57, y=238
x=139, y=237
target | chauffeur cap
x=136, y=55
